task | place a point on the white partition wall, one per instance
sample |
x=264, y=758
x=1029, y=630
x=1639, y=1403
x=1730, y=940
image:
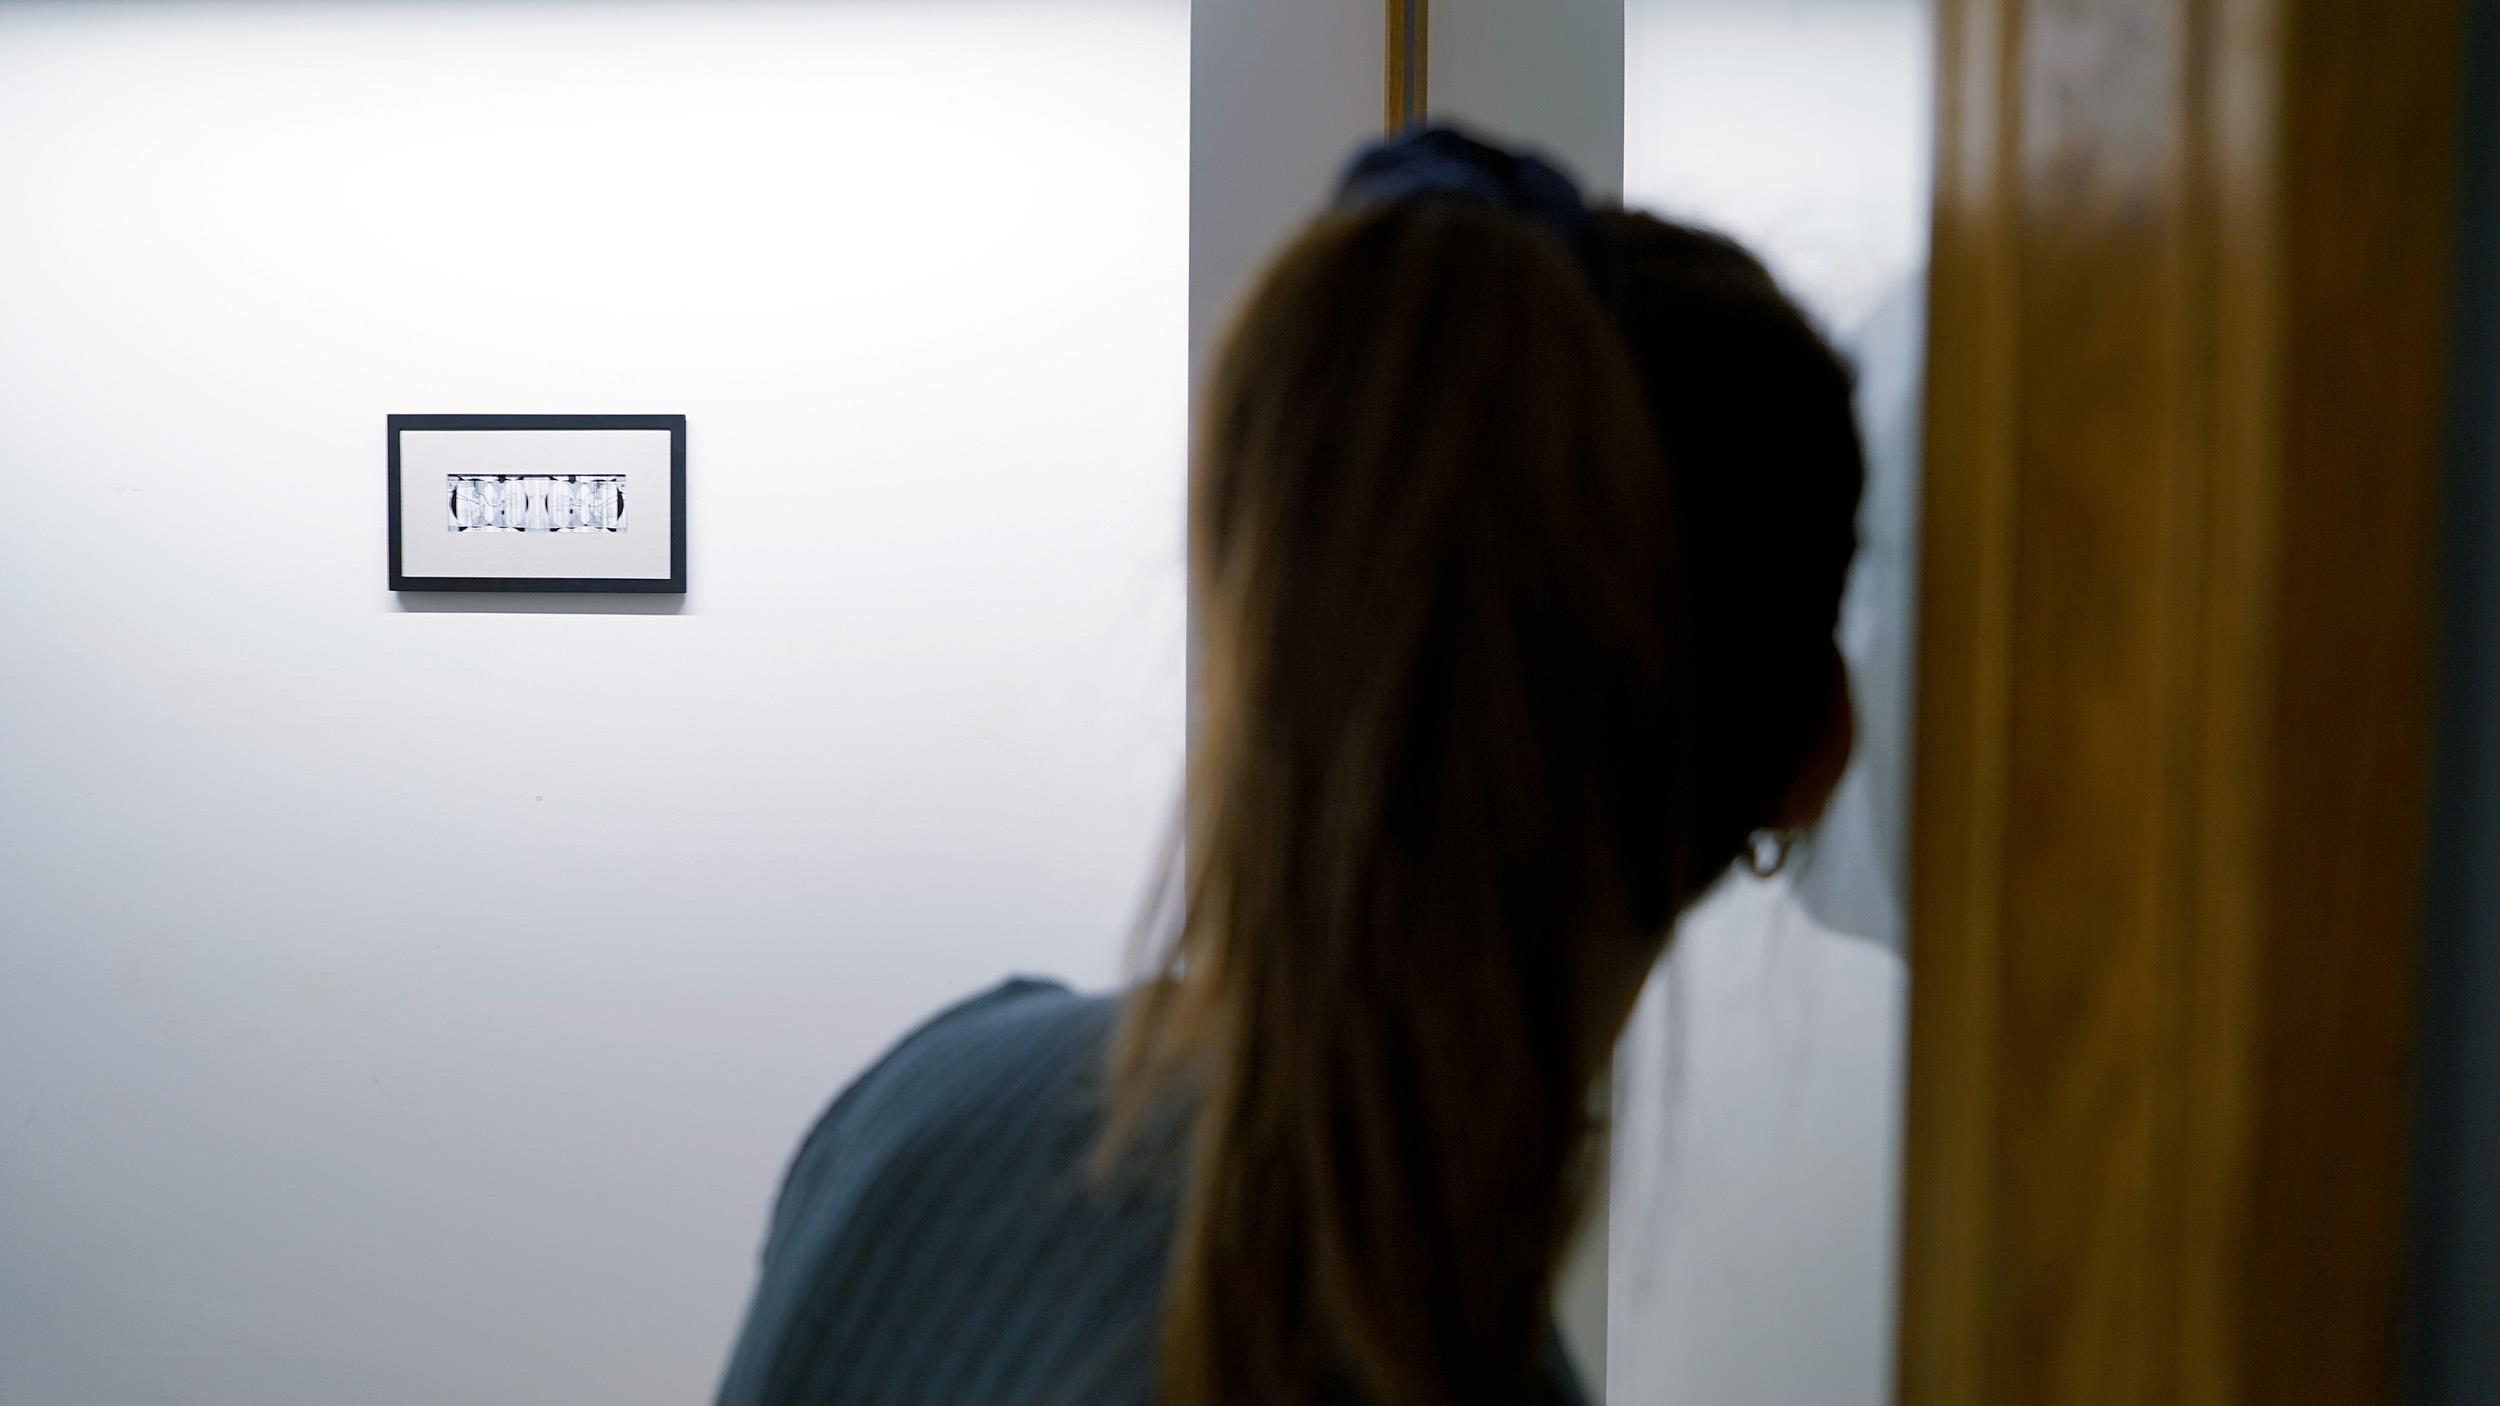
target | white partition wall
x=1280, y=91
x=415, y=1001
x=1548, y=76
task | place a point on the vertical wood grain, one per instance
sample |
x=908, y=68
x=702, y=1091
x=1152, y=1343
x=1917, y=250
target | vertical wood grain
x=2183, y=419
x=1405, y=86
x=1959, y=820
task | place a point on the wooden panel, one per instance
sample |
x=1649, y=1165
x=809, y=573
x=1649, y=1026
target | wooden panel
x=2186, y=344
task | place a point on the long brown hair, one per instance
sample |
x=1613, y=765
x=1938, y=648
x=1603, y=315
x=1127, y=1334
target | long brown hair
x=1460, y=752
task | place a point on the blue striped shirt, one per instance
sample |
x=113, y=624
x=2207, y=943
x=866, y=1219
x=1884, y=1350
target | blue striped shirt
x=940, y=1237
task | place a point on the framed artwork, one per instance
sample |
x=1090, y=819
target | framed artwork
x=538, y=503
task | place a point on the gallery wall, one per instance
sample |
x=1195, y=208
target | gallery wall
x=414, y=1000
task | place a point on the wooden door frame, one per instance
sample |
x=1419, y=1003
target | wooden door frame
x=2187, y=343
x=1405, y=88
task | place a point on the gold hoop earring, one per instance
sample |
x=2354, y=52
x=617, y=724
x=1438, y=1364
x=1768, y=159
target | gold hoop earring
x=1766, y=851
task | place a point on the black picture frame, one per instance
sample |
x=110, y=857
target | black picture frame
x=672, y=584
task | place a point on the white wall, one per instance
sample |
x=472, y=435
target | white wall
x=1800, y=126
x=415, y=1001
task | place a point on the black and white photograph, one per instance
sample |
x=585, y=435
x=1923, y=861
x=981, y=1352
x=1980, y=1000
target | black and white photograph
x=537, y=503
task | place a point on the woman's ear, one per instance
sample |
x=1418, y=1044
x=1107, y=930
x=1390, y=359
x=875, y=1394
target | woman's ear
x=1825, y=759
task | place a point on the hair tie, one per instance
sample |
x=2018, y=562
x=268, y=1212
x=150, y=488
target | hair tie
x=1443, y=161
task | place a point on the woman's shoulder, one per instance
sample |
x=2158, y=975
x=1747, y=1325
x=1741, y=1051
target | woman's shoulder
x=1019, y=1019
x=977, y=1059
x=941, y=1235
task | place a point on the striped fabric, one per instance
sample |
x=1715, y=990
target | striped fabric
x=939, y=1238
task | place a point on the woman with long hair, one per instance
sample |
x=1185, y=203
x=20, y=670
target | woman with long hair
x=1517, y=539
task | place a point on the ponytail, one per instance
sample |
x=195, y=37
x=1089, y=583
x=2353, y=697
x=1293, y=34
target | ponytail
x=1437, y=565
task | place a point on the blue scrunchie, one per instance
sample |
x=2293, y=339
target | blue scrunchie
x=1445, y=162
